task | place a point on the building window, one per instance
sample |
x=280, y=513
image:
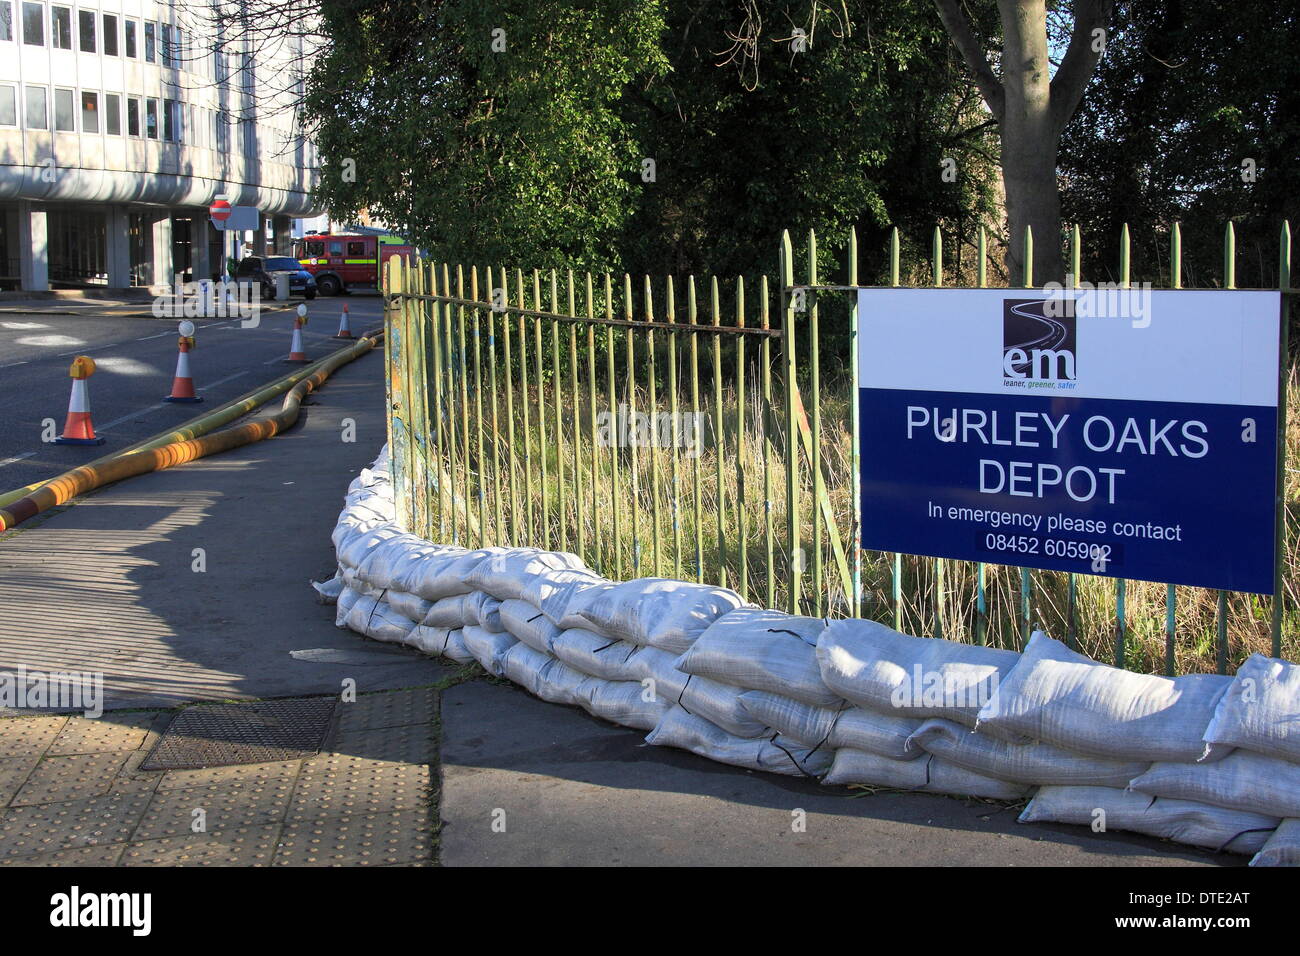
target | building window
x=132, y=116
x=34, y=24
x=165, y=51
x=148, y=42
x=38, y=116
x=151, y=118
x=112, y=114
x=8, y=106
x=89, y=112
x=64, y=119
x=61, y=27
x=86, y=20
x=169, y=120
x=128, y=34
x=110, y=35
x=6, y=20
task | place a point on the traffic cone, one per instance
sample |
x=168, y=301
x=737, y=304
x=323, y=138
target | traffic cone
x=183, y=383
x=345, y=329
x=296, y=353
x=78, y=430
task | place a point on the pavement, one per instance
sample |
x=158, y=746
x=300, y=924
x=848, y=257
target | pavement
x=191, y=586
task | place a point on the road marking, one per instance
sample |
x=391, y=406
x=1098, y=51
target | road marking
x=127, y=418
x=89, y=348
x=16, y=458
x=146, y=338
x=223, y=381
x=15, y=365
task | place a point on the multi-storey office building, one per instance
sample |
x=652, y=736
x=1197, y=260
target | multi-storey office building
x=120, y=122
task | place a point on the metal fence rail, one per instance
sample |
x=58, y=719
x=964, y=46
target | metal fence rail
x=661, y=430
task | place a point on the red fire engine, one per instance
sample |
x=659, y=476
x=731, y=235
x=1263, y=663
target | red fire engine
x=342, y=262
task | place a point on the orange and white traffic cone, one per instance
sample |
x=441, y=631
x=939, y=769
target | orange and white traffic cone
x=78, y=430
x=345, y=328
x=183, y=382
x=296, y=353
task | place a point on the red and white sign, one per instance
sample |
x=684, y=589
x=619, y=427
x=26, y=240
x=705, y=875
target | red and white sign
x=219, y=210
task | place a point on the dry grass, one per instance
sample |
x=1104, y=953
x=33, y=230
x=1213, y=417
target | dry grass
x=614, y=531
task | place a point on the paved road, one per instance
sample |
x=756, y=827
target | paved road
x=136, y=358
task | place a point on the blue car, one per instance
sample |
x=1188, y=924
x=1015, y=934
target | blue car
x=256, y=268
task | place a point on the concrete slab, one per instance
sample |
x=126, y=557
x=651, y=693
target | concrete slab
x=113, y=584
x=573, y=790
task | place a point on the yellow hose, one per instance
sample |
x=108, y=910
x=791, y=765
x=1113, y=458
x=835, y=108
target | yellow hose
x=153, y=456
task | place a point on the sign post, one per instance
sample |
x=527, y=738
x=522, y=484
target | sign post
x=1121, y=432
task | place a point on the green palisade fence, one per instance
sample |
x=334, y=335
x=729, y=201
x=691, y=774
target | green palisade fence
x=706, y=429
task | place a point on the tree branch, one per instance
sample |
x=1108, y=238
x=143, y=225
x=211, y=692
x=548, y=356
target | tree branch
x=954, y=21
x=1080, y=58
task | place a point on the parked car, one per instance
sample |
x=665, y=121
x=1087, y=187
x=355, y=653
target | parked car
x=265, y=270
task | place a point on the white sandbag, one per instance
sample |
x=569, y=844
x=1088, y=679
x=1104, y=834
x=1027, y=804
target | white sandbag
x=595, y=654
x=1282, y=848
x=1240, y=781
x=1029, y=763
x=505, y=574
x=327, y=592
x=720, y=704
x=551, y=591
x=656, y=666
x=542, y=675
x=759, y=649
x=529, y=625
x=488, y=648
x=351, y=554
x=1260, y=710
x=623, y=702
x=411, y=567
x=442, y=642
x=378, y=566
x=892, y=673
x=930, y=775
x=447, y=612
x=483, y=610
x=803, y=723
x=659, y=612
x=1184, y=821
x=347, y=599
x=373, y=618
x=882, y=734
x=410, y=606
x=442, y=573
x=851, y=727
x=1061, y=697
x=684, y=730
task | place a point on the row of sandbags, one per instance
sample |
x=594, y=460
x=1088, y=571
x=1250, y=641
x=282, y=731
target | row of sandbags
x=1201, y=759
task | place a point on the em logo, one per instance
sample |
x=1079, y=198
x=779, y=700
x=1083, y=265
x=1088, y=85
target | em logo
x=1037, y=344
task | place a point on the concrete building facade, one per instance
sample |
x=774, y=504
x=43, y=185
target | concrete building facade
x=121, y=121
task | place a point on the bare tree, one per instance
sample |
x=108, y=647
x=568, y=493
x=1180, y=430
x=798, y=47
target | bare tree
x=1031, y=107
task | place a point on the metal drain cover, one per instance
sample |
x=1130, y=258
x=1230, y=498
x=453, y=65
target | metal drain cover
x=223, y=735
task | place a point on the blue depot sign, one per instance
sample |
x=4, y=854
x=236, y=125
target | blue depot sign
x=1130, y=433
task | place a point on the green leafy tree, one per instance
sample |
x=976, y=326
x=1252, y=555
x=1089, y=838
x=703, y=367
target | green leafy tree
x=1193, y=116
x=653, y=137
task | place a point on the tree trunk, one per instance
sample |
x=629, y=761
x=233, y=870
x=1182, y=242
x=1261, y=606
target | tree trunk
x=1030, y=140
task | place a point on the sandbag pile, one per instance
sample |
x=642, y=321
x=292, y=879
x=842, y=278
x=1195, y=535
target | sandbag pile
x=1201, y=759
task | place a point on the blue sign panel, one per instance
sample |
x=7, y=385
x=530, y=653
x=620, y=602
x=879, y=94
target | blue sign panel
x=1010, y=427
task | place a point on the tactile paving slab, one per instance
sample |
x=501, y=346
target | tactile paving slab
x=223, y=735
